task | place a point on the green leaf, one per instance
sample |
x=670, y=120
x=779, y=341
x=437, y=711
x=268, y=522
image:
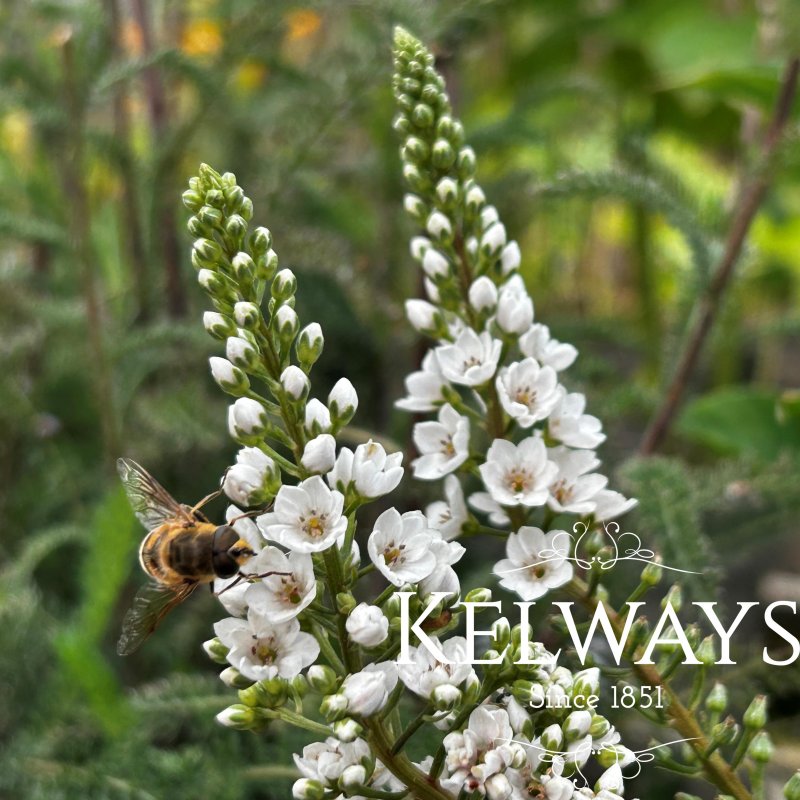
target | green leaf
x=741, y=420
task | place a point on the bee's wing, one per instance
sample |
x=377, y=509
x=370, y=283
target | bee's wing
x=151, y=604
x=150, y=501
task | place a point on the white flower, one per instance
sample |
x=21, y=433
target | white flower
x=471, y=360
x=367, y=691
x=610, y=504
x=343, y=400
x=489, y=216
x=570, y=426
x=326, y=761
x=448, y=516
x=285, y=594
x=261, y=650
x=318, y=418
x=527, y=391
x=369, y=471
x=573, y=490
x=518, y=474
x=483, y=294
x=435, y=264
x=514, y=306
x=483, y=502
x=246, y=417
x=444, y=445
x=510, y=258
x=422, y=315
x=399, y=546
x=367, y=625
x=535, y=562
x=307, y=518
x=443, y=577
x=424, y=387
x=295, y=382
x=483, y=749
x=319, y=454
x=537, y=343
x=247, y=481
x=424, y=673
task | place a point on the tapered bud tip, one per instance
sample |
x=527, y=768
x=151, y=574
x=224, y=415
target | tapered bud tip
x=237, y=716
x=307, y=789
x=792, y=789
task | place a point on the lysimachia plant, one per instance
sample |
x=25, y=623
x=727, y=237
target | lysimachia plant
x=304, y=642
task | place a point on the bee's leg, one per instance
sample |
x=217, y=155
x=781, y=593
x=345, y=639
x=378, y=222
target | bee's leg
x=245, y=514
x=242, y=576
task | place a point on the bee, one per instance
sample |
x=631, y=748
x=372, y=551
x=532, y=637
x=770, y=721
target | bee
x=181, y=550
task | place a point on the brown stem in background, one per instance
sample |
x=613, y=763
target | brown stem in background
x=163, y=212
x=129, y=211
x=99, y=370
x=747, y=204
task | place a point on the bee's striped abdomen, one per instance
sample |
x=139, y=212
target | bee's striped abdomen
x=190, y=554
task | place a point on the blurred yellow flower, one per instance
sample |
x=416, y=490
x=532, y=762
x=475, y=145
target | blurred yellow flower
x=201, y=37
x=302, y=23
x=250, y=75
x=15, y=135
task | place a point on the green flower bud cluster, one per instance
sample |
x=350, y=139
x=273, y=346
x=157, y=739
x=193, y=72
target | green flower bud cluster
x=438, y=169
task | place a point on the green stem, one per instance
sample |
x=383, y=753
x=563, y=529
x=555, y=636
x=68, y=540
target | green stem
x=410, y=730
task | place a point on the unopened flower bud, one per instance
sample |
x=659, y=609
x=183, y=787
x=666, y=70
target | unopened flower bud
x=309, y=345
x=299, y=685
x=552, y=738
x=474, y=199
x=233, y=678
x=353, y=777
x=307, y=789
x=333, y=707
x=247, y=419
x=206, y=253
x=466, y=163
x=321, y=678
x=228, y=377
x=247, y=315
x=422, y=315
x=284, y=285
x=674, y=598
x=724, y=732
x=761, y=748
x=267, y=265
x=610, y=781
x=501, y=634
x=510, y=258
x=295, y=382
x=652, y=573
x=318, y=418
x=236, y=228
x=418, y=246
x=347, y=730
x=489, y=216
x=755, y=717
x=212, y=282
x=706, y=652
x=600, y=727
x=443, y=155
x=260, y=241
x=319, y=454
x=498, y=787
x=244, y=267
x=478, y=595
x=586, y=683
x=342, y=402
x=192, y=200
x=493, y=240
x=717, y=700
x=483, y=294
x=286, y=323
x=435, y=264
x=415, y=207
x=792, y=789
x=241, y=353
x=422, y=115
x=447, y=192
x=216, y=651
x=446, y=697
x=439, y=227
x=218, y=325
x=577, y=725
x=237, y=716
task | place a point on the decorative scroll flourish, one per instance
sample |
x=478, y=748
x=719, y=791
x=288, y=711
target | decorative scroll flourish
x=570, y=546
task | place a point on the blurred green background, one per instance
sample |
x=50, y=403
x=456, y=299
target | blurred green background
x=611, y=134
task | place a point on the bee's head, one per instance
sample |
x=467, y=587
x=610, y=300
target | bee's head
x=229, y=552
